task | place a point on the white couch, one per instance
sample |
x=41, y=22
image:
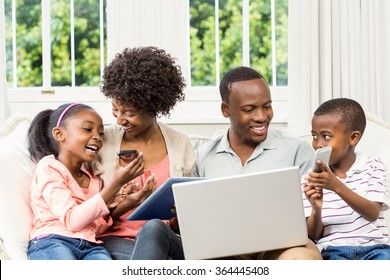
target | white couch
x=16, y=171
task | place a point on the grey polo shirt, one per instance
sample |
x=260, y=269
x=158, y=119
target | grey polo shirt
x=279, y=150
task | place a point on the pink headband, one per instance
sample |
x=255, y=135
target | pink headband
x=64, y=112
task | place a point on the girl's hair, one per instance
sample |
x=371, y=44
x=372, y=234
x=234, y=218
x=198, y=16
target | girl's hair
x=40, y=139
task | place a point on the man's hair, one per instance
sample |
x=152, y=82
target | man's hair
x=236, y=75
x=351, y=113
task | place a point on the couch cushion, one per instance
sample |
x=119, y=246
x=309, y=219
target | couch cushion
x=16, y=171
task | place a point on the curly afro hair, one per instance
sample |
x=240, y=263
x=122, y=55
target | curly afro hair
x=146, y=78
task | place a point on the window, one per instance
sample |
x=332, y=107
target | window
x=53, y=44
x=228, y=33
x=62, y=45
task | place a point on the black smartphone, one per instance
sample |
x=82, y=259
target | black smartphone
x=127, y=155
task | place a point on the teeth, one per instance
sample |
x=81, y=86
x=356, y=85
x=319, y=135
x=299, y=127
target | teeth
x=258, y=128
x=92, y=148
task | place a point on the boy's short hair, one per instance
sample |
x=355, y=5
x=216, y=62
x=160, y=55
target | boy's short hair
x=236, y=75
x=351, y=113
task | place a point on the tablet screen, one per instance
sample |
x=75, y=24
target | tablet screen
x=159, y=204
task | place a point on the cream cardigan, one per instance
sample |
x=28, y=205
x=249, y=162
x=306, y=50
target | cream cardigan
x=180, y=151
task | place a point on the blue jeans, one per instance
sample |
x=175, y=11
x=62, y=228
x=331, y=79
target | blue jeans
x=375, y=252
x=119, y=247
x=155, y=241
x=58, y=247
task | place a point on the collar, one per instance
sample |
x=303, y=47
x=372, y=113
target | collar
x=270, y=143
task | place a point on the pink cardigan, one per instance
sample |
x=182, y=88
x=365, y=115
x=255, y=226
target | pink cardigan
x=61, y=207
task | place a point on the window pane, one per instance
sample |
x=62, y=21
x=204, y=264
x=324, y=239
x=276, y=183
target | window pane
x=202, y=38
x=261, y=38
x=230, y=34
x=281, y=10
x=8, y=41
x=61, y=68
x=87, y=42
x=28, y=41
x=265, y=55
x=74, y=47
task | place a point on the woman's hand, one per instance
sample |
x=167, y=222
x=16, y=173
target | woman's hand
x=174, y=222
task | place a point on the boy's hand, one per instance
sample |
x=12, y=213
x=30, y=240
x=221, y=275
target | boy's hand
x=323, y=180
x=314, y=195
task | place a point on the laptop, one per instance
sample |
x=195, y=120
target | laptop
x=241, y=214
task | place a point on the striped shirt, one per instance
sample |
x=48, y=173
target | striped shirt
x=342, y=225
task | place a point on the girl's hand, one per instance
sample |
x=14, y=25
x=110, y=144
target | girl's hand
x=123, y=175
x=135, y=197
x=144, y=191
x=125, y=190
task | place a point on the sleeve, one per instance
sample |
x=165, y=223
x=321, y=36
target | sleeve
x=304, y=157
x=196, y=171
x=103, y=225
x=378, y=189
x=72, y=209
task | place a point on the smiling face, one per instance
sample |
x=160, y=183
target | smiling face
x=80, y=137
x=250, y=111
x=133, y=123
x=329, y=130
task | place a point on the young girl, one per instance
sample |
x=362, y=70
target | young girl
x=345, y=202
x=67, y=199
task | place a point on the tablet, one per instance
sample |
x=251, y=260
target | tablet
x=159, y=204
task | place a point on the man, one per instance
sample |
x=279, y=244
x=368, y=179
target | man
x=248, y=146
x=251, y=146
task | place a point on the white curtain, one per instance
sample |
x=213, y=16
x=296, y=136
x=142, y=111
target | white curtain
x=4, y=103
x=338, y=48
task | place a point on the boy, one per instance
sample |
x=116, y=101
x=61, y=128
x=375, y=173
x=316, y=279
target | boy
x=344, y=203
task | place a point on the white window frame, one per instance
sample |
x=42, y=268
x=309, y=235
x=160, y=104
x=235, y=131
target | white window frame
x=141, y=23
x=34, y=99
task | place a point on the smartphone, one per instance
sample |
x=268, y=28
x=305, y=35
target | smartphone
x=322, y=154
x=127, y=155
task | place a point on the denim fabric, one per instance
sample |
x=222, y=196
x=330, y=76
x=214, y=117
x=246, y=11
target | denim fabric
x=57, y=247
x=156, y=241
x=375, y=252
x=119, y=247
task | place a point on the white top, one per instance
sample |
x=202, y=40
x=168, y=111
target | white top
x=342, y=225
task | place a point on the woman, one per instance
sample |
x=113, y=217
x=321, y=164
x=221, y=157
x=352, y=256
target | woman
x=143, y=84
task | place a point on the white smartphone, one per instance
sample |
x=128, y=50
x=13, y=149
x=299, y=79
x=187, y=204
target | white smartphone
x=322, y=154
